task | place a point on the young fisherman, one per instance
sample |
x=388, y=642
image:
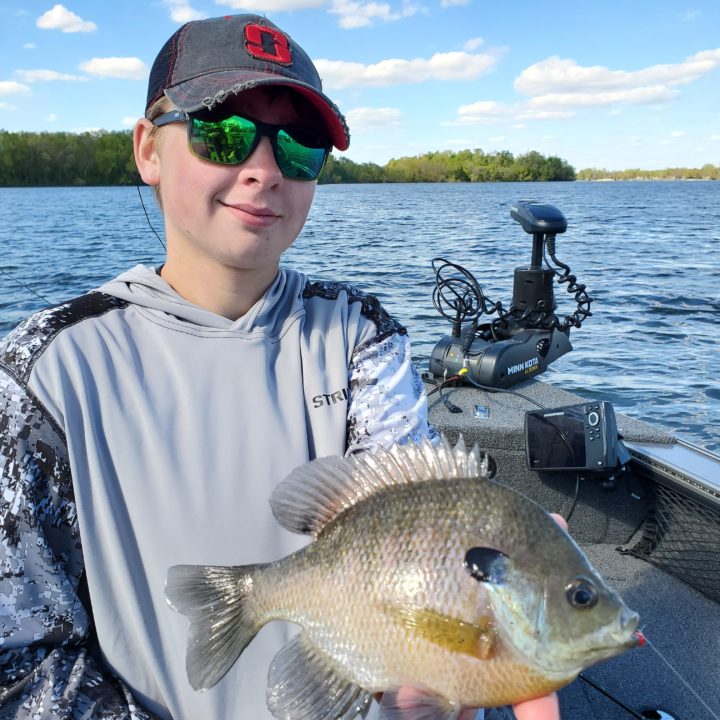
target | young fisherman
x=145, y=424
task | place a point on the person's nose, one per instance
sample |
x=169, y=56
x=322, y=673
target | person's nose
x=261, y=166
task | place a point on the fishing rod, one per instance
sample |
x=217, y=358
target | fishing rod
x=26, y=287
x=49, y=303
x=650, y=713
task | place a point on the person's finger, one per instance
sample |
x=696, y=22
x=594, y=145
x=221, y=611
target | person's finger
x=560, y=520
x=544, y=708
x=468, y=714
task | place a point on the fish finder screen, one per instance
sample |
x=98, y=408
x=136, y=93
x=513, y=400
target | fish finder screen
x=556, y=440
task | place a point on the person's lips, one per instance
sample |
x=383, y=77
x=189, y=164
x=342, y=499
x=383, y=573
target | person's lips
x=257, y=215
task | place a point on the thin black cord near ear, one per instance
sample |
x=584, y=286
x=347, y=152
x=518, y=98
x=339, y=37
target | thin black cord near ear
x=147, y=217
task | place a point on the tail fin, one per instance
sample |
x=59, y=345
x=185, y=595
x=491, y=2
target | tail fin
x=218, y=602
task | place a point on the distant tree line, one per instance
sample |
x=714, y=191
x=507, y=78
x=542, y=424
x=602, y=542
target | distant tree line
x=706, y=172
x=106, y=158
x=62, y=158
x=449, y=166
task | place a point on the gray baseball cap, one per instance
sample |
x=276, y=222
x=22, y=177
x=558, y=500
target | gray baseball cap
x=206, y=61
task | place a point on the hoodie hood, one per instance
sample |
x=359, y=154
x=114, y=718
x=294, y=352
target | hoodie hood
x=281, y=303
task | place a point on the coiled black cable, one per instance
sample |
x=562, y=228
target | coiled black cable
x=582, y=299
x=461, y=293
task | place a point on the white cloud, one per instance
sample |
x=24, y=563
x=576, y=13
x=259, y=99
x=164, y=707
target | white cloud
x=181, y=11
x=365, y=119
x=489, y=112
x=338, y=74
x=29, y=46
x=558, y=85
x=52, y=117
x=7, y=106
x=128, y=68
x=484, y=112
x=678, y=133
x=32, y=76
x=361, y=14
x=453, y=3
x=635, y=96
x=11, y=87
x=473, y=44
x=60, y=18
x=128, y=121
x=262, y=6
x=557, y=75
x=537, y=114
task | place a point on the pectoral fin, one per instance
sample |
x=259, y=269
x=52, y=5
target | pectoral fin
x=475, y=639
x=412, y=704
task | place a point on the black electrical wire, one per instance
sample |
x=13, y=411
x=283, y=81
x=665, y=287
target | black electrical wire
x=439, y=387
x=575, y=497
x=501, y=390
x=147, y=217
x=582, y=299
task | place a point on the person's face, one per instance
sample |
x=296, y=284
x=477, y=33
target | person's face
x=242, y=216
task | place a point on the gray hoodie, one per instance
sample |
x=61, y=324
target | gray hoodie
x=140, y=432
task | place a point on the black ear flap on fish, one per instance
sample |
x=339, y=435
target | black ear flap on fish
x=487, y=565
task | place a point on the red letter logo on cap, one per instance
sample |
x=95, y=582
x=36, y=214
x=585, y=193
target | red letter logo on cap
x=255, y=47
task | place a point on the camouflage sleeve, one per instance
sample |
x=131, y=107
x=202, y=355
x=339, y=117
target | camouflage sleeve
x=47, y=669
x=387, y=398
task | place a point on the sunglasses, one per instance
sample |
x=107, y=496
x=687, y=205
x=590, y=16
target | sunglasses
x=225, y=139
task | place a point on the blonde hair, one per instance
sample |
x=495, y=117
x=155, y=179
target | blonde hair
x=158, y=108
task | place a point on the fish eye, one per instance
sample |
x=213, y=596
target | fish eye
x=581, y=594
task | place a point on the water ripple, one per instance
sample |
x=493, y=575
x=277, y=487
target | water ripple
x=646, y=251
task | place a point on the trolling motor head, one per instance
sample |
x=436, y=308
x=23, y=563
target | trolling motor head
x=521, y=341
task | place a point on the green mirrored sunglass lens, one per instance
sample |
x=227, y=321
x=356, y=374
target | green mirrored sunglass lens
x=227, y=141
x=298, y=161
x=300, y=154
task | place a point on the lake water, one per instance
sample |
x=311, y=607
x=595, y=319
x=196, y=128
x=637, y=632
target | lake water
x=649, y=253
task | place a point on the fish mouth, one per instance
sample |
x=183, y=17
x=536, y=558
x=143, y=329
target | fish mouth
x=627, y=634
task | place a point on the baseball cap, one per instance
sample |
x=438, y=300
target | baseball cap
x=206, y=61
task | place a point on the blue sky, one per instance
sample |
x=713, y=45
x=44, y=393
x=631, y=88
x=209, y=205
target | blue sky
x=612, y=84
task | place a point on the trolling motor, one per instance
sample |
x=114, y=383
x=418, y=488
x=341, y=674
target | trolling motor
x=524, y=339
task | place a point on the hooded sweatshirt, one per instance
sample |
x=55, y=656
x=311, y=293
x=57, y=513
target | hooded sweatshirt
x=138, y=432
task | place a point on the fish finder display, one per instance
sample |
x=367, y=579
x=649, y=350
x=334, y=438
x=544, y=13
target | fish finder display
x=575, y=437
x=556, y=439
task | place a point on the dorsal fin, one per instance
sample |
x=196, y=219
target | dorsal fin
x=319, y=491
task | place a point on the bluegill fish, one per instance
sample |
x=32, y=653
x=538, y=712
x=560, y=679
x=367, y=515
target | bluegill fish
x=423, y=572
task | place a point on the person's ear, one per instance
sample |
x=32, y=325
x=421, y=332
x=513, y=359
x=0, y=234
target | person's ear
x=146, y=156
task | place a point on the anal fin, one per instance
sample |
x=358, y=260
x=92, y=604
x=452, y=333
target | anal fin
x=305, y=684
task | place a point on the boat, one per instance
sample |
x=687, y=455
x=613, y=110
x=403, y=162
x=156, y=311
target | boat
x=649, y=521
